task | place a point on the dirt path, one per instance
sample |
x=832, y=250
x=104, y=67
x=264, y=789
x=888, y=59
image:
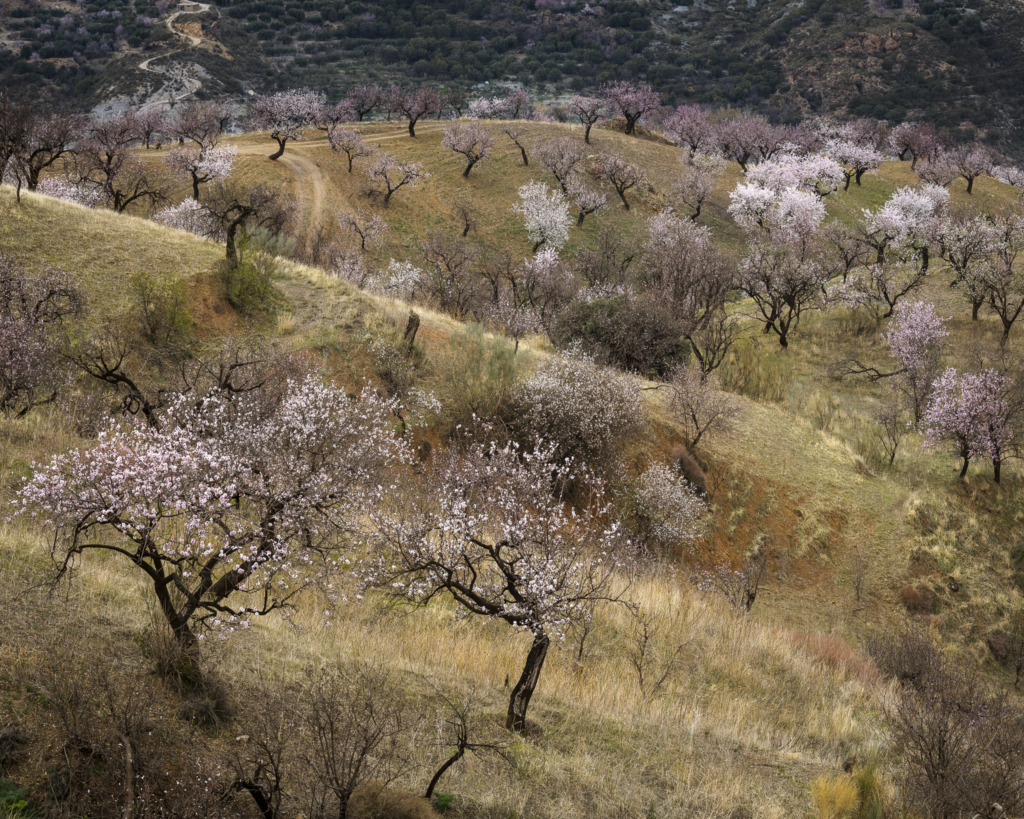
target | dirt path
x=173, y=75
x=309, y=177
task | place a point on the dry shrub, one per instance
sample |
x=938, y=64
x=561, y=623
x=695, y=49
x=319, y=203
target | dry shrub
x=691, y=470
x=834, y=797
x=917, y=599
x=759, y=374
x=374, y=800
x=585, y=409
x=834, y=652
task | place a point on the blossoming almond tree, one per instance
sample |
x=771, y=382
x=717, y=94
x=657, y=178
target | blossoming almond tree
x=231, y=511
x=546, y=214
x=490, y=530
x=394, y=173
x=200, y=165
x=632, y=101
x=286, y=115
x=970, y=414
x=471, y=140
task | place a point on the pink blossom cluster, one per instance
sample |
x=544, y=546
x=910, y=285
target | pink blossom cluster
x=191, y=216
x=238, y=503
x=63, y=187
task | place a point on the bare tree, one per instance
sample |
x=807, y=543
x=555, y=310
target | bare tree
x=356, y=720
x=563, y=157
x=515, y=131
x=623, y=175
x=450, y=261
x=239, y=207
x=414, y=105
x=588, y=111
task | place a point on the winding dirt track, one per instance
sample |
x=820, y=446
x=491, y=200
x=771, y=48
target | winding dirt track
x=308, y=174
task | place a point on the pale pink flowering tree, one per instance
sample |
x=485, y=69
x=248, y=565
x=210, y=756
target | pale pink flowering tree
x=286, y=114
x=367, y=230
x=623, y=175
x=349, y=143
x=748, y=136
x=515, y=132
x=697, y=183
x=916, y=138
x=151, y=122
x=680, y=267
x=939, y=169
x=967, y=240
x=191, y=216
x=586, y=199
x=414, y=105
x=563, y=157
x=331, y=117
x=33, y=309
x=201, y=123
x=543, y=284
x=632, y=101
x=854, y=159
x=1009, y=174
x=201, y=165
x=814, y=173
x=905, y=224
x=63, y=187
x=490, y=530
x=364, y=98
x=1003, y=279
x=786, y=266
x=690, y=127
x=969, y=413
x=105, y=160
x=915, y=341
x=583, y=409
x=471, y=140
x=230, y=512
x=515, y=320
x=588, y=110
x=697, y=400
x=970, y=162
x=546, y=214
x=394, y=174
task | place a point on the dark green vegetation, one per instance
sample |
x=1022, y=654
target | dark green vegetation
x=954, y=65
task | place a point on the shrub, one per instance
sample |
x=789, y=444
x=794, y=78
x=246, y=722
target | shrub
x=636, y=334
x=248, y=285
x=834, y=797
x=584, y=409
x=394, y=363
x=161, y=304
x=475, y=379
x=667, y=510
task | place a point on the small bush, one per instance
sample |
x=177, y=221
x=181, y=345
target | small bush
x=834, y=797
x=394, y=363
x=161, y=305
x=585, y=409
x=909, y=656
x=374, y=800
x=759, y=374
x=248, y=285
x=691, y=470
x=475, y=379
x=637, y=334
x=917, y=599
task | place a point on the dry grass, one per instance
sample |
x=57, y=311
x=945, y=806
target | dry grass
x=760, y=707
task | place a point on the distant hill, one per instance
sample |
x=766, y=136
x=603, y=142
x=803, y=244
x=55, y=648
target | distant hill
x=954, y=65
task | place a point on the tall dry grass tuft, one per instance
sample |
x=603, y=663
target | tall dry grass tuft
x=834, y=797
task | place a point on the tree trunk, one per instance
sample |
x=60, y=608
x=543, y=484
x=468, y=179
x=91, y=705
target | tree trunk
x=412, y=128
x=195, y=187
x=440, y=771
x=526, y=159
x=970, y=184
x=996, y=465
x=465, y=173
x=523, y=691
x=586, y=132
x=229, y=242
x=846, y=187
x=280, y=152
x=622, y=196
x=859, y=175
x=975, y=307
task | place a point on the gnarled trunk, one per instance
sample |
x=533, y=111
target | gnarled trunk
x=523, y=691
